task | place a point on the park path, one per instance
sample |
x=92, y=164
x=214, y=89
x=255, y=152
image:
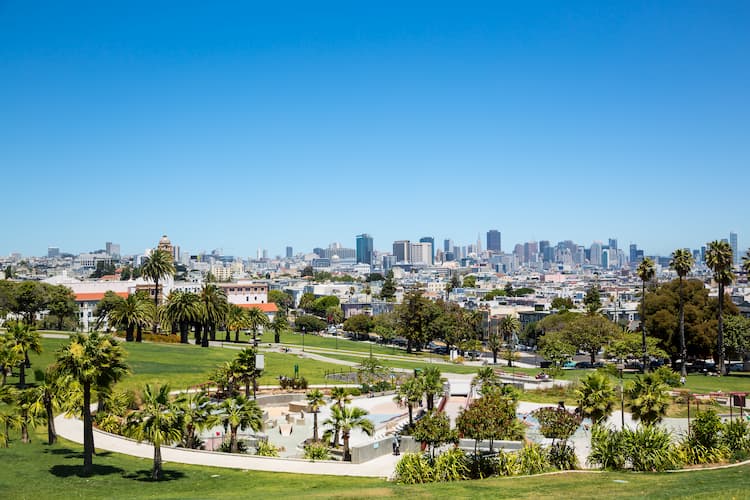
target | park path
x=72, y=430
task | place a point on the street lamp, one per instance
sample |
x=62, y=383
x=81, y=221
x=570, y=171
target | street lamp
x=303, y=339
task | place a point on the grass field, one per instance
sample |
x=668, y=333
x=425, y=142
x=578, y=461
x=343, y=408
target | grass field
x=37, y=471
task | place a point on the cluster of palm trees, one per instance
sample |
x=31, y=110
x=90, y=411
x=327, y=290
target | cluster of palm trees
x=241, y=371
x=425, y=385
x=343, y=420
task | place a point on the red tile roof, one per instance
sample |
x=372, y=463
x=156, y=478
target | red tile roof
x=88, y=297
x=266, y=308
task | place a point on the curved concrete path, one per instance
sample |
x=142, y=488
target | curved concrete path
x=72, y=429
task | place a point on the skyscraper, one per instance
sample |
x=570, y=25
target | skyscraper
x=447, y=245
x=735, y=248
x=494, y=242
x=112, y=249
x=431, y=241
x=633, y=253
x=364, y=249
x=53, y=252
x=595, y=257
x=401, y=250
x=289, y=252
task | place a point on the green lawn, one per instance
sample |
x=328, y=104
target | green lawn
x=37, y=471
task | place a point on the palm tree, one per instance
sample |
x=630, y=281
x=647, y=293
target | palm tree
x=485, y=377
x=719, y=260
x=94, y=361
x=194, y=411
x=348, y=418
x=182, y=308
x=510, y=325
x=131, y=314
x=9, y=419
x=237, y=319
x=47, y=395
x=315, y=400
x=596, y=397
x=432, y=384
x=646, y=272
x=156, y=266
x=239, y=413
x=746, y=262
x=22, y=339
x=157, y=422
x=9, y=357
x=247, y=371
x=278, y=325
x=27, y=411
x=340, y=397
x=682, y=262
x=649, y=399
x=410, y=393
x=257, y=319
x=214, y=309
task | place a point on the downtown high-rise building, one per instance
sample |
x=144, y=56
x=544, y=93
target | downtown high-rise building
x=447, y=245
x=431, y=241
x=735, y=248
x=401, y=250
x=494, y=241
x=53, y=252
x=112, y=249
x=289, y=252
x=364, y=248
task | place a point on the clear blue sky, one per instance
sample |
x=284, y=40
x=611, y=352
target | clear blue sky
x=238, y=126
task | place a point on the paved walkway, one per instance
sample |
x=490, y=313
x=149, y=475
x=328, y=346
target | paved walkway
x=72, y=429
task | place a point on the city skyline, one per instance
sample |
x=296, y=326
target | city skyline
x=242, y=126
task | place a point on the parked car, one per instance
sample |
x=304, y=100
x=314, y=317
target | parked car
x=569, y=365
x=584, y=364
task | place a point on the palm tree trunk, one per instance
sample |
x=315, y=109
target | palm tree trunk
x=88, y=431
x=227, y=337
x=183, y=332
x=212, y=330
x=156, y=473
x=204, y=342
x=683, y=347
x=347, y=455
x=411, y=414
x=643, y=327
x=129, y=333
x=139, y=334
x=720, y=336
x=233, y=440
x=247, y=388
x=22, y=375
x=494, y=356
x=198, y=328
x=315, y=426
x=236, y=336
x=156, y=304
x=336, y=436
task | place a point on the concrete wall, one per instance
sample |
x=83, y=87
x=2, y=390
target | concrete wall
x=382, y=447
x=280, y=399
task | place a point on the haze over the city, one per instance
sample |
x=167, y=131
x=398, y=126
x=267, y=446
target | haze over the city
x=240, y=126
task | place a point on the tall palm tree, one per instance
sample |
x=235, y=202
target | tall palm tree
x=237, y=319
x=214, y=307
x=182, y=308
x=682, y=262
x=246, y=368
x=157, y=422
x=27, y=411
x=239, y=413
x=9, y=357
x=494, y=342
x=410, y=393
x=9, y=419
x=315, y=400
x=131, y=314
x=649, y=399
x=156, y=266
x=22, y=339
x=257, y=319
x=719, y=260
x=510, y=326
x=95, y=361
x=347, y=419
x=432, y=384
x=278, y=325
x=47, y=394
x=646, y=272
x=195, y=412
x=596, y=397
x=340, y=397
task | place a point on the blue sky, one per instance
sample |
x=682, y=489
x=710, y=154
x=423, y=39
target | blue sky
x=238, y=125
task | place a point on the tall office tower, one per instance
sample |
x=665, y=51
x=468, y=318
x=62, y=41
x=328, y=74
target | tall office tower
x=703, y=253
x=605, y=258
x=265, y=254
x=633, y=254
x=431, y=241
x=697, y=255
x=545, y=251
x=420, y=253
x=530, y=251
x=612, y=244
x=457, y=255
x=289, y=252
x=595, y=257
x=112, y=249
x=579, y=257
x=735, y=248
x=447, y=245
x=53, y=252
x=494, y=242
x=479, y=244
x=518, y=252
x=364, y=248
x=176, y=255
x=401, y=250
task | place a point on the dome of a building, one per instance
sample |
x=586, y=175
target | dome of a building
x=164, y=240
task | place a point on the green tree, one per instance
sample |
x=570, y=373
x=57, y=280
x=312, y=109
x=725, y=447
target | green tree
x=414, y=316
x=247, y=370
x=509, y=326
x=27, y=409
x=646, y=272
x=157, y=422
x=361, y=324
x=195, y=412
x=719, y=259
x=309, y=323
x=214, y=307
x=494, y=342
x=562, y=304
x=239, y=413
x=47, y=395
x=593, y=300
x=278, y=325
x=433, y=429
x=61, y=304
x=388, y=290
x=596, y=397
x=156, y=266
x=554, y=347
x=131, y=314
x=486, y=377
x=410, y=394
x=340, y=397
x=10, y=357
x=104, y=309
x=23, y=339
x=590, y=333
x=315, y=400
x=470, y=281
x=347, y=419
x=184, y=309
x=306, y=302
x=737, y=335
x=432, y=384
x=682, y=262
x=237, y=319
x=94, y=361
x=257, y=320
x=283, y=300
x=649, y=399
x=29, y=298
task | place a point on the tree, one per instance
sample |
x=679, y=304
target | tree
x=214, y=308
x=433, y=429
x=593, y=300
x=9, y=357
x=645, y=272
x=61, y=303
x=388, y=290
x=283, y=300
x=509, y=326
x=132, y=314
x=47, y=395
x=494, y=342
x=246, y=368
x=94, y=361
x=315, y=400
x=257, y=320
x=719, y=259
x=596, y=397
x=737, y=335
x=340, y=397
x=105, y=307
x=648, y=398
x=485, y=377
x=194, y=410
x=493, y=417
x=562, y=304
x=470, y=281
x=414, y=315
x=359, y=324
x=278, y=325
x=22, y=339
x=554, y=347
x=157, y=422
x=682, y=262
x=29, y=298
x=347, y=419
x=590, y=333
x=410, y=393
x=432, y=384
x=27, y=411
x=182, y=308
x=239, y=413
x=156, y=266
x=306, y=302
x=630, y=345
x=237, y=319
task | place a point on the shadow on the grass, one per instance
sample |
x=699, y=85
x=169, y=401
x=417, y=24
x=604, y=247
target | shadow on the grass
x=145, y=475
x=68, y=453
x=77, y=470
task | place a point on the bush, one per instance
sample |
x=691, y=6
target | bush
x=414, y=468
x=607, y=448
x=556, y=423
x=451, y=465
x=226, y=447
x=562, y=456
x=532, y=459
x=293, y=383
x=668, y=376
x=706, y=428
x=649, y=448
x=736, y=438
x=506, y=464
x=108, y=423
x=482, y=466
x=265, y=449
x=317, y=451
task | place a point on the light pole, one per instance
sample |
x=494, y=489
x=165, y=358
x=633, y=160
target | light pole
x=622, y=399
x=303, y=339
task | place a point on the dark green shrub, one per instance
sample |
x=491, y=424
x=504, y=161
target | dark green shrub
x=226, y=447
x=451, y=465
x=414, y=468
x=607, y=448
x=736, y=438
x=562, y=456
x=668, y=376
x=649, y=449
x=532, y=459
